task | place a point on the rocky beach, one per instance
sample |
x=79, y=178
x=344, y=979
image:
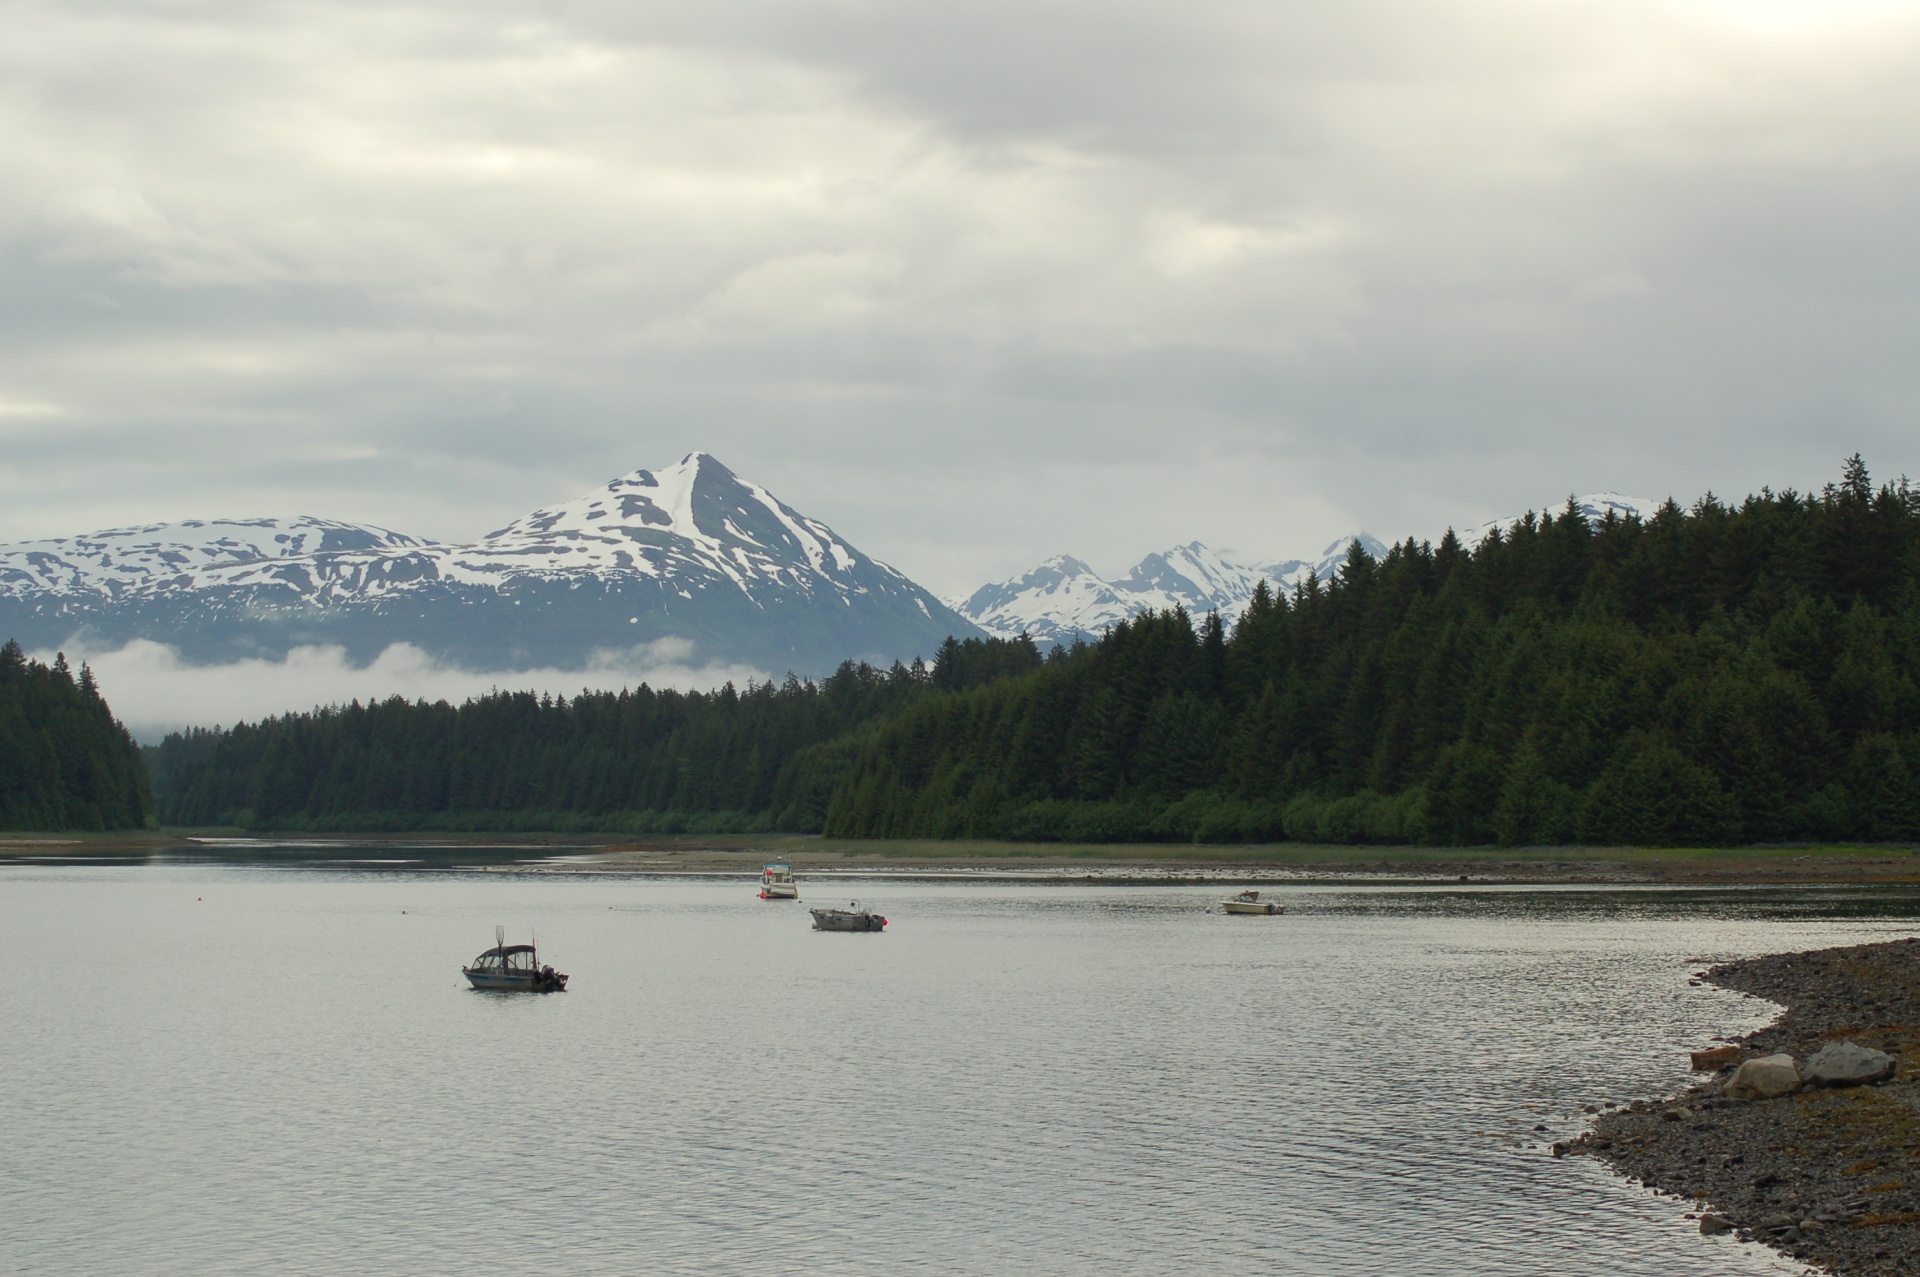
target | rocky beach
x=1819, y=1159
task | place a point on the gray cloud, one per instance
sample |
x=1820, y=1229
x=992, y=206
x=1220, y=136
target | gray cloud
x=972, y=282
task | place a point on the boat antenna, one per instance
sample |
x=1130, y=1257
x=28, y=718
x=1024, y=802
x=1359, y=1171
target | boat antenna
x=500, y=939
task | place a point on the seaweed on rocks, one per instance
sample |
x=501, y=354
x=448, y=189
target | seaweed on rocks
x=1830, y=1177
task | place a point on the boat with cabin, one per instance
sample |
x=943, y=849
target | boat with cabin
x=512, y=968
x=1250, y=902
x=852, y=918
x=778, y=883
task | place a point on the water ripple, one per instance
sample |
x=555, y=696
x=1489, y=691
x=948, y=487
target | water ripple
x=237, y=1070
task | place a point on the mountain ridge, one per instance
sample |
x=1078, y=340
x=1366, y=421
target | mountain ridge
x=1062, y=598
x=691, y=552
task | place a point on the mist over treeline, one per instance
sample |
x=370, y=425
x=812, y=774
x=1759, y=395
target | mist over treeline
x=639, y=761
x=1720, y=674
x=65, y=762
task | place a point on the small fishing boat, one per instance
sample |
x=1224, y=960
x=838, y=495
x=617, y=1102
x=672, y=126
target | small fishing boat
x=512, y=968
x=777, y=883
x=1250, y=902
x=852, y=918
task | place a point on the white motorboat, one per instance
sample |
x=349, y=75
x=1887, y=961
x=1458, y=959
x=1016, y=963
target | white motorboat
x=512, y=968
x=852, y=918
x=1250, y=902
x=777, y=883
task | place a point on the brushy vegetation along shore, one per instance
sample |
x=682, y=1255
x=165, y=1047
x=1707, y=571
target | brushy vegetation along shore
x=1722, y=675
x=1830, y=1177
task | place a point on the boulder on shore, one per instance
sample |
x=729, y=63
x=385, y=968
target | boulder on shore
x=1715, y=1058
x=1764, y=1078
x=1848, y=1064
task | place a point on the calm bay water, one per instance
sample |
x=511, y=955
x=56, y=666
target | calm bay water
x=244, y=1069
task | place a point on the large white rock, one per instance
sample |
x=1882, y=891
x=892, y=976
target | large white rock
x=1764, y=1078
x=1848, y=1064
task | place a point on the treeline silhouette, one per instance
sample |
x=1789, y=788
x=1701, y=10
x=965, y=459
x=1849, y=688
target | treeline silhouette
x=1725, y=673
x=640, y=761
x=65, y=763
x=1721, y=674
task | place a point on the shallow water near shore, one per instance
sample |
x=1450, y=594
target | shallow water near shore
x=234, y=1068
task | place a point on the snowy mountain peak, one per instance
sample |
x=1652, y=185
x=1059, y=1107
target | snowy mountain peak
x=690, y=552
x=1373, y=545
x=1053, y=601
x=1594, y=507
x=642, y=498
x=695, y=509
x=1063, y=598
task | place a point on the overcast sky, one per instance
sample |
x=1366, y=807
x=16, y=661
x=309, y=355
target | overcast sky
x=973, y=281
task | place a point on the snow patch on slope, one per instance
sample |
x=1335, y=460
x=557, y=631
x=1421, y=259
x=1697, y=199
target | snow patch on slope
x=1595, y=507
x=1063, y=597
x=693, y=523
x=120, y=560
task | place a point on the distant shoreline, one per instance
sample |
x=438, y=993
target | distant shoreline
x=744, y=854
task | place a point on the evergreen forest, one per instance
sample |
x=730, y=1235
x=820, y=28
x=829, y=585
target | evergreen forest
x=1725, y=673
x=636, y=761
x=65, y=763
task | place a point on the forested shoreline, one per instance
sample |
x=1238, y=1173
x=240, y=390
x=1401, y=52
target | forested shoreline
x=637, y=761
x=1720, y=674
x=65, y=763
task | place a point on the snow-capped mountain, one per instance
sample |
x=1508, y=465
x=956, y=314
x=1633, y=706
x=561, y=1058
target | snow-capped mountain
x=123, y=559
x=1594, y=507
x=690, y=552
x=1052, y=603
x=1063, y=597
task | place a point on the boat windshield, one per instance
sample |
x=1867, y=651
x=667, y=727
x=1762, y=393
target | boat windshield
x=517, y=957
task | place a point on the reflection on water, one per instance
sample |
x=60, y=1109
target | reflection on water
x=220, y=1068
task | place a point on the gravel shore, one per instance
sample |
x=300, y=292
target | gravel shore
x=1107, y=863
x=1830, y=1177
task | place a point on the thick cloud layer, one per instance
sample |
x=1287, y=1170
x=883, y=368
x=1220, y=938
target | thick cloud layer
x=973, y=282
